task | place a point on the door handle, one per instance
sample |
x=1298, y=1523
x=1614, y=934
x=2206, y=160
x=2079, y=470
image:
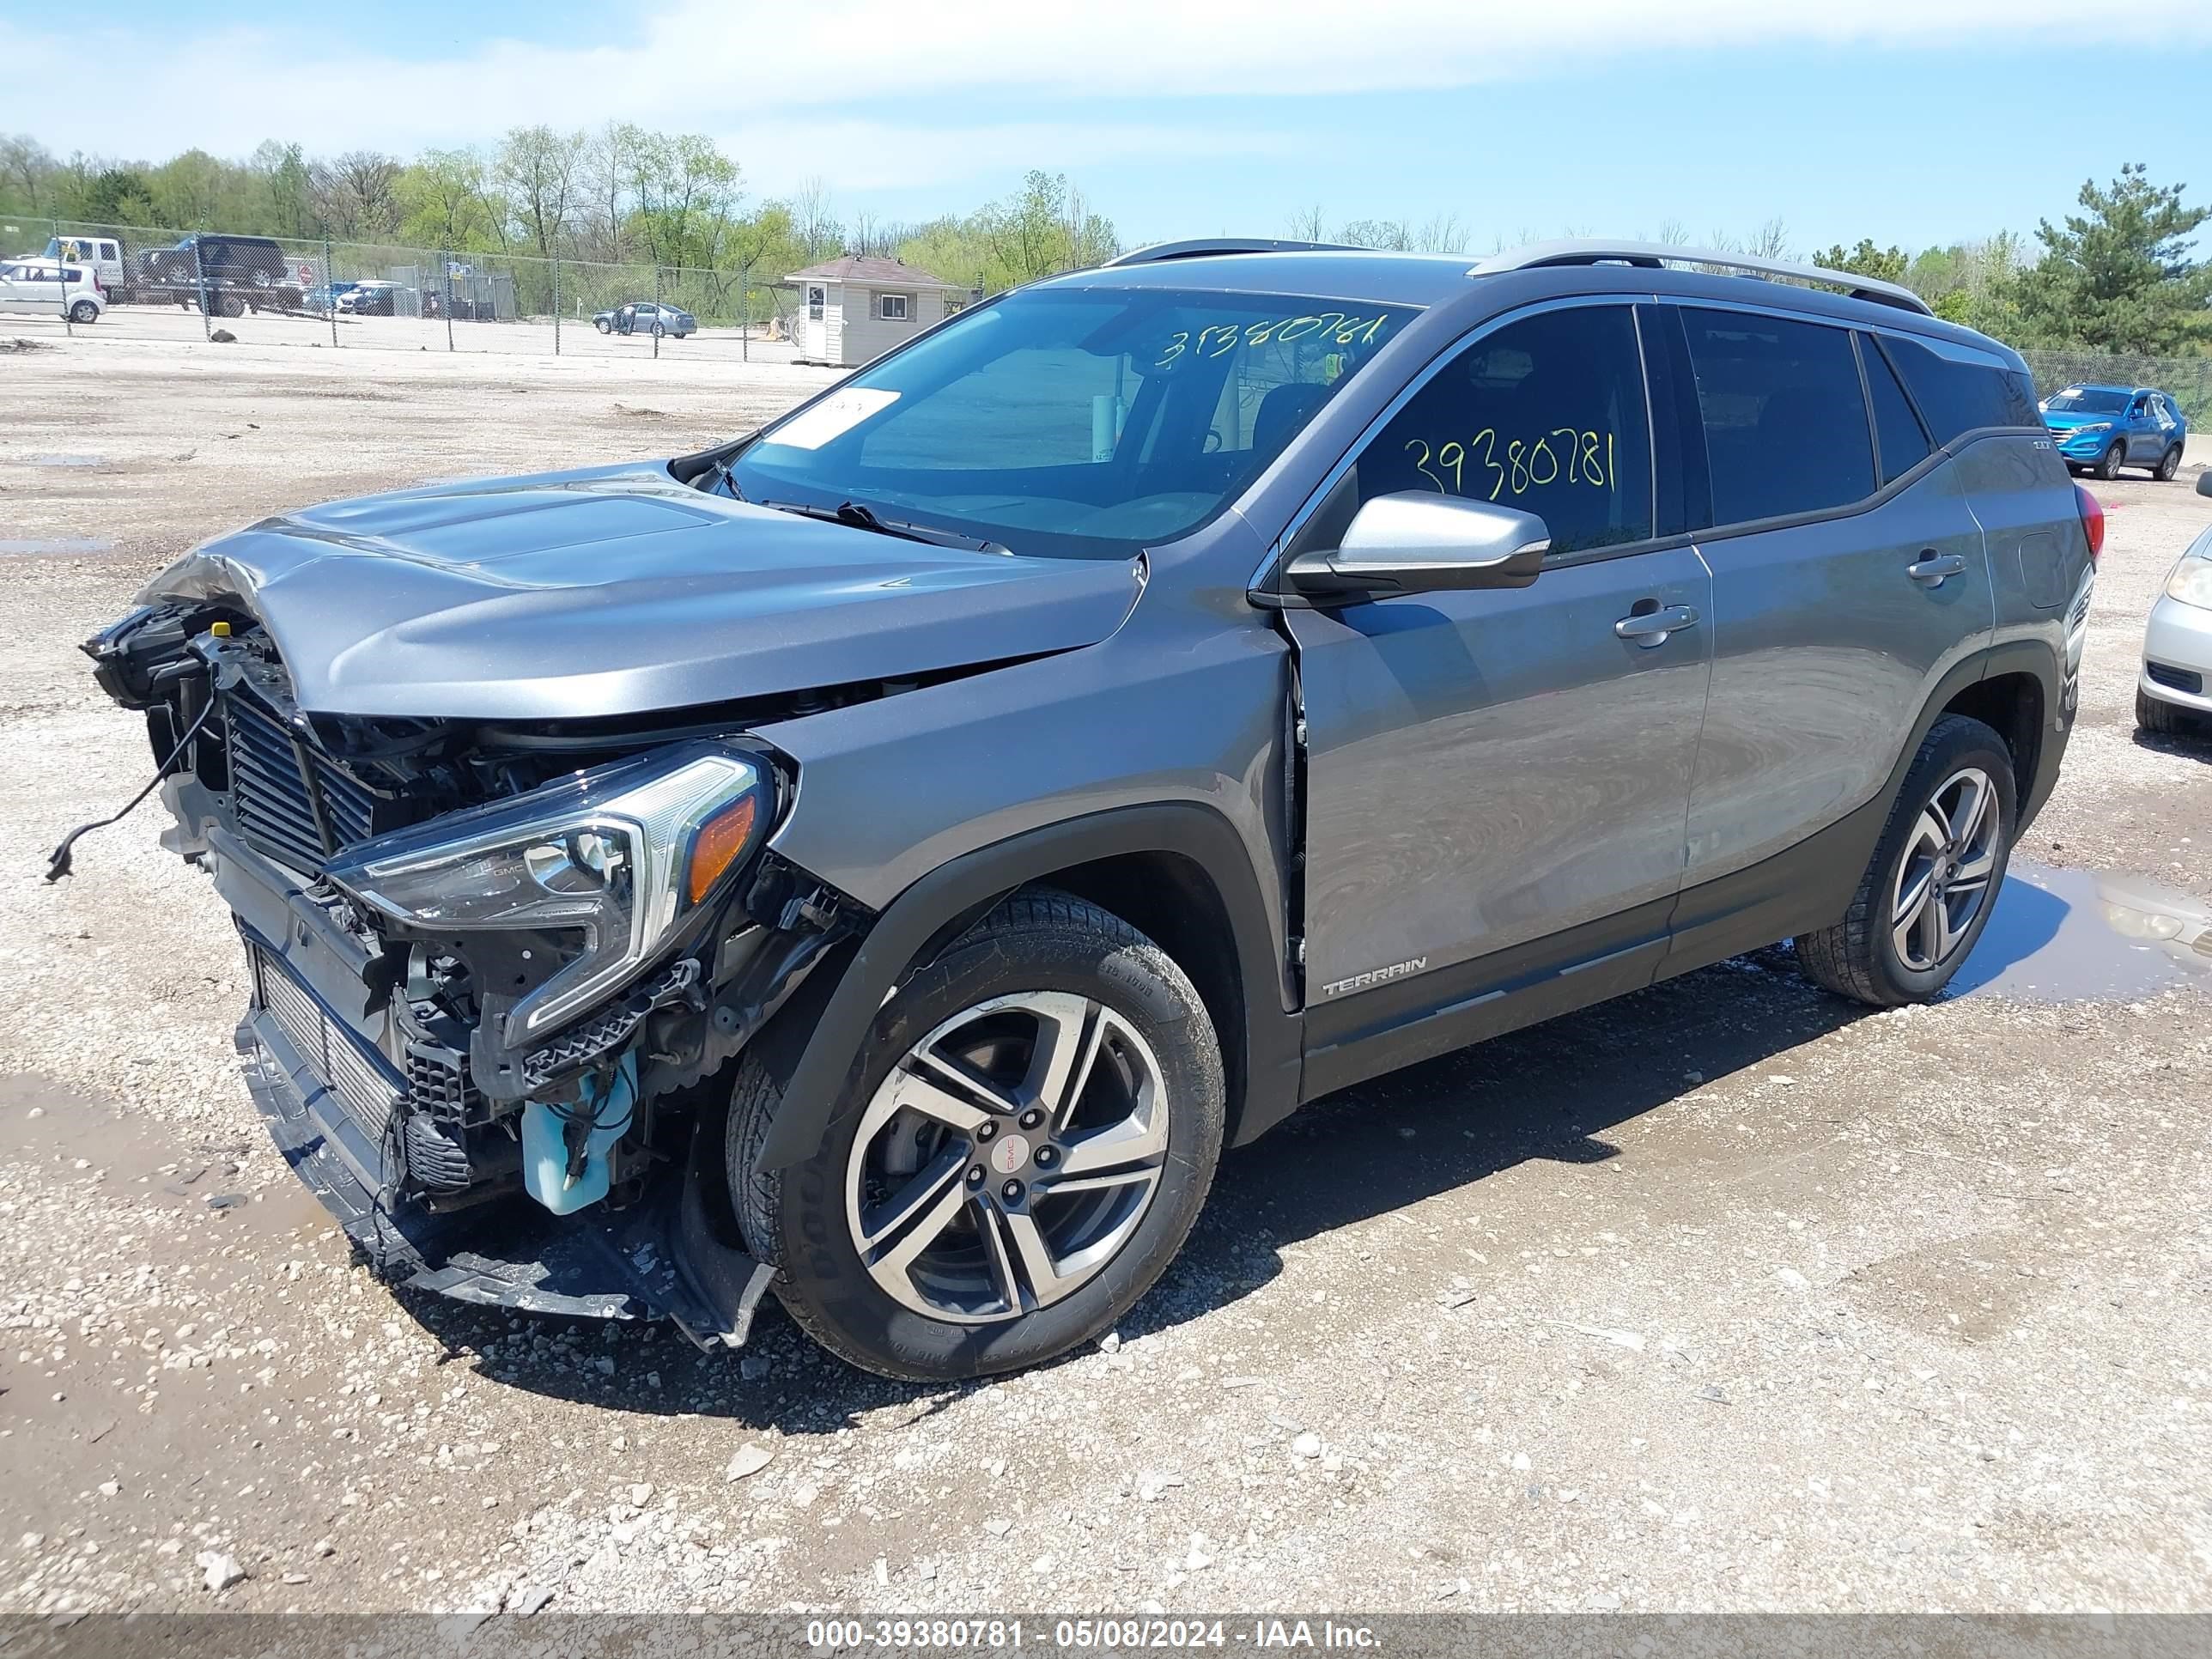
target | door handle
x=1932, y=570
x=1650, y=628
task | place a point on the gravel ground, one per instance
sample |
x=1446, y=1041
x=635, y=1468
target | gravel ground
x=1724, y=1296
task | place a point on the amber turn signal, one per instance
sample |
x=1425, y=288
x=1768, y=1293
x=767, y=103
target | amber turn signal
x=719, y=843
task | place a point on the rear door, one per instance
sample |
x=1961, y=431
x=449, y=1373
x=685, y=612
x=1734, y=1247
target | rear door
x=1844, y=586
x=1496, y=780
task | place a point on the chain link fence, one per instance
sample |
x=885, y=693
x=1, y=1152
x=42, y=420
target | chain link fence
x=171, y=283
x=168, y=282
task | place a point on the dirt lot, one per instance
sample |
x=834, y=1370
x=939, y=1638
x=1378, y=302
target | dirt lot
x=1725, y=1296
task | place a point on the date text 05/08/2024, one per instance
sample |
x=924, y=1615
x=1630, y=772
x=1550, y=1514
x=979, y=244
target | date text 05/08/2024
x=998, y=1634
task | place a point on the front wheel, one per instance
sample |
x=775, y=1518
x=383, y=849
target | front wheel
x=2162, y=718
x=2169, y=464
x=1927, y=894
x=1018, y=1154
x=658, y=330
x=2108, y=466
x=604, y=326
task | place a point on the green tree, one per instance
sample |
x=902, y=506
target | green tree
x=445, y=203
x=116, y=196
x=285, y=189
x=1884, y=264
x=2118, y=276
x=543, y=174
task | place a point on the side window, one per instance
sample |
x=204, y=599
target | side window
x=1546, y=415
x=1902, y=440
x=1959, y=396
x=1785, y=421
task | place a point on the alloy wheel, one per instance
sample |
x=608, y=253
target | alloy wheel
x=1008, y=1157
x=1944, y=875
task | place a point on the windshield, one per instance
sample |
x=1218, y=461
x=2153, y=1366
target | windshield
x=1073, y=422
x=2084, y=400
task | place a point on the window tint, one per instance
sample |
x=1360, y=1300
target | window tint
x=1546, y=415
x=1959, y=397
x=1898, y=436
x=1785, y=422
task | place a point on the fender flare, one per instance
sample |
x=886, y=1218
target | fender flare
x=964, y=887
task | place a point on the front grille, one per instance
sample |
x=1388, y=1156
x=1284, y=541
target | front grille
x=330, y=1052
x=2179, y=679
x=277, y=784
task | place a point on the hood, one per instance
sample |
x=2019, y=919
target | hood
x=2060, y=420
x=618, y=590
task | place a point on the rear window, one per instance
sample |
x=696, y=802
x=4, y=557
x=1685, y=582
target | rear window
x=1785, y=421
x=1956, y=397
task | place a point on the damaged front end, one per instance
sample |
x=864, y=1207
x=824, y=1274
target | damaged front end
x=495, y=966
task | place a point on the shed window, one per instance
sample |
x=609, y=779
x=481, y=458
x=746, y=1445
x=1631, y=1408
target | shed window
x=815, y=296
x=891, y=307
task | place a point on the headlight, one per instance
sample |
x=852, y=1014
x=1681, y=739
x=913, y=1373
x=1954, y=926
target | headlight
x=615, y=856
x=2091, y=429
x=2191, y=582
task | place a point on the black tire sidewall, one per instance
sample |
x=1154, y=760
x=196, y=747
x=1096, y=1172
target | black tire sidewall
x=822, y=1268
x=1961, y=743
x=2169, y=464
x=2115, y=457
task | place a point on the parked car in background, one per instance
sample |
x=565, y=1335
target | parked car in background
x=370, y=298
x=40, y=288
x=323, y=299
x=2174, y=693
x=2104, y=427
x=879, y=855
x=645, y=317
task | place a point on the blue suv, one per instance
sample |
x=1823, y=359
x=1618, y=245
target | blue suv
x=2104, y=427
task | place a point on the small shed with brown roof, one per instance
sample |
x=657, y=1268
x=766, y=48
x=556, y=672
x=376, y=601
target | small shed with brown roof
x=853, y=310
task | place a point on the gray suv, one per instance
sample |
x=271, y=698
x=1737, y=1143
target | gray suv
x=887, y=858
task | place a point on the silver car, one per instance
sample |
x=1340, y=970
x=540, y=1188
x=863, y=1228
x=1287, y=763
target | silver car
x=887, y=857
x=2174, y=693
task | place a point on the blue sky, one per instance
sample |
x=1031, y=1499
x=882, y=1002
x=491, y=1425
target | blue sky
x=1961, y=118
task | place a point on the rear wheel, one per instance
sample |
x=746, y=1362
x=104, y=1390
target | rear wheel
x=658, y=330
x=1018, y=1154
x=2108, y=466
x=2169, y=464
x=2163, y=719
x=1927, y=893
x=84, y=311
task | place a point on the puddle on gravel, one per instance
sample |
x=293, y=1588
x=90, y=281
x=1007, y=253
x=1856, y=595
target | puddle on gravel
x=2083, y=935
x=49, y=546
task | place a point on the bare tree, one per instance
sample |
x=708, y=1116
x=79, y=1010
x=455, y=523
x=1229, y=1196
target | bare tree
x=1770, y=241
x=26, y=169
x=356, y=196
x=605, y=170
x=813, y=226
x=1443, y=234
x=1308, y=224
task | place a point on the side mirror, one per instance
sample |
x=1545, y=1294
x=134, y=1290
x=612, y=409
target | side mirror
x=1414, y=542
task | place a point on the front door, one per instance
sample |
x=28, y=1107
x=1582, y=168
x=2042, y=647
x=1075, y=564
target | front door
x=1497, y=780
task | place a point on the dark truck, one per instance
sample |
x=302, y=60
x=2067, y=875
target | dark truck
x=225, y=276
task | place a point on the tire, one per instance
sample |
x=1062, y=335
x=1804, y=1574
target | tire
x=231, y=306
x=1862, y=957
x=603, y=327
x=84, y=313
x=2162, y=718
x=1103, y=984
x=658, y=330
x=2168, y=463
x=2108, y=464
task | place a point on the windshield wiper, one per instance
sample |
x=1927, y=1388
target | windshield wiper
x=860, y=516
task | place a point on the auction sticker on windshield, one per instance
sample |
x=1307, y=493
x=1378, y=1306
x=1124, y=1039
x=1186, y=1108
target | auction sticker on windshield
x=833, y=417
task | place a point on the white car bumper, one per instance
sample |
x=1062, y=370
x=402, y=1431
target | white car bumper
x=2176, y=665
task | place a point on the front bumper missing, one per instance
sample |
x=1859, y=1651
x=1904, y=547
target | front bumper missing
x=661, y=1257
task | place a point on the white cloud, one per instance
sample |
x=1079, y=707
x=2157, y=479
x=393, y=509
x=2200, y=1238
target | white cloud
x=769, y=70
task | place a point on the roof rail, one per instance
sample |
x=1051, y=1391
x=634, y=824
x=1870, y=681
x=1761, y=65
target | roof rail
x=1655, y=254
x=1200, y=248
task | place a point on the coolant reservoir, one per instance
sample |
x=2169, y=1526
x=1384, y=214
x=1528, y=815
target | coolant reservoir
x=545, y=1147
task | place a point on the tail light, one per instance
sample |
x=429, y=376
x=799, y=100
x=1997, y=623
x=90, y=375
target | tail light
x=2093, y=520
